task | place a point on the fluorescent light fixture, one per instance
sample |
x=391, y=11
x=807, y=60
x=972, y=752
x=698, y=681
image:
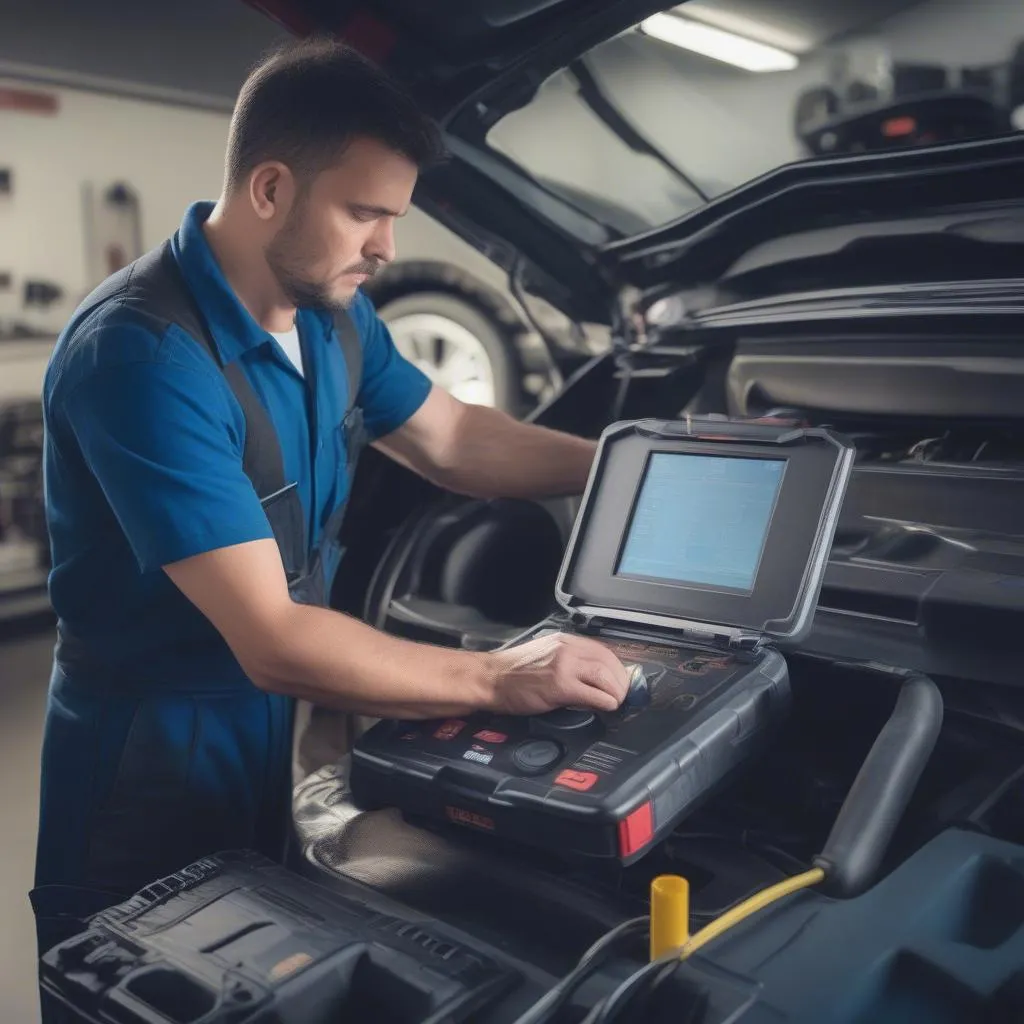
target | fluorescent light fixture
x=718, y=44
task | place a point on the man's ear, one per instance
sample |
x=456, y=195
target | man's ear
x=271, y=191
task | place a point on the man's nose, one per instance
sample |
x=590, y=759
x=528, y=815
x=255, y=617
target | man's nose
x=381, y=246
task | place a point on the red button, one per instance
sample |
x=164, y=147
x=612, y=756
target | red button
x=636, y=830
x=581, y=781
x=449, y=730
x=490, y=736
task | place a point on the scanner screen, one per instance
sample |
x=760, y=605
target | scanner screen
x=701, y=519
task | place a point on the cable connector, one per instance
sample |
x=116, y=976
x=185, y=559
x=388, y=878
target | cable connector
x=670, y=914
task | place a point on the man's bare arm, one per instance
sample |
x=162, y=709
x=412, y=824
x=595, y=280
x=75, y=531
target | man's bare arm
x=484, y=453
x=334, y=660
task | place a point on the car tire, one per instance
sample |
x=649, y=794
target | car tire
x=458, y=346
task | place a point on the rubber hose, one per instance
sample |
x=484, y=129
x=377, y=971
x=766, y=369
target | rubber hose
x=882, y=790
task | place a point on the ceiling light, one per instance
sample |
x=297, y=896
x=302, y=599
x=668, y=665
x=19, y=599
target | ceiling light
x=793, y=38
x=718, y=44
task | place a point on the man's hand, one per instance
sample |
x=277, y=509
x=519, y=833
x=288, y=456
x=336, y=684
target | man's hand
x=557, y=671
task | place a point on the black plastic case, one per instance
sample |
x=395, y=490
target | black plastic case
x=237, y=939
x=610, y=785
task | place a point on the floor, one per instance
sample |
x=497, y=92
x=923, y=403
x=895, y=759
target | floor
x=25, y=654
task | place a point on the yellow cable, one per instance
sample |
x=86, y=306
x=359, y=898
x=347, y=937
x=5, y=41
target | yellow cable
x=750, y=906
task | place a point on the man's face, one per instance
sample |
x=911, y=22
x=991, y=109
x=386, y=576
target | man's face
x=340, y=229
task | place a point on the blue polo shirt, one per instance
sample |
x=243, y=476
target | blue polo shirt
x=143, y=460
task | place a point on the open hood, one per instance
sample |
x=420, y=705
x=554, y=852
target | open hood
x=855, y=212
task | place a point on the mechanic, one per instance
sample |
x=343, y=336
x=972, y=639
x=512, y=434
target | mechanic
x=190, y=602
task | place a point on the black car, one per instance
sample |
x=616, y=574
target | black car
x=875, y=291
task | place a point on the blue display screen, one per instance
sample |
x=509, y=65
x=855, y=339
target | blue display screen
x=702, y=519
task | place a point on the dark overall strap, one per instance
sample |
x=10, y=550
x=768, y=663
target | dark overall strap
x=352, y=351
x=261, y=457
x=154, y=285
x=262, y=460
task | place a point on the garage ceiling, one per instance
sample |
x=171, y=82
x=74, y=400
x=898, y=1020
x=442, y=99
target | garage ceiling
x=198, y=51
x=798, y=25
x=192, y=51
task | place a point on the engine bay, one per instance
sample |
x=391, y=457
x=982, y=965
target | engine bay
x=934, y=507
x=926, y=574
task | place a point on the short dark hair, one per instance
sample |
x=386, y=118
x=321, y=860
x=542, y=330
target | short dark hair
x=306, y=100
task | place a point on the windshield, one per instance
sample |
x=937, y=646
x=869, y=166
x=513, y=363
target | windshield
x=709, y=95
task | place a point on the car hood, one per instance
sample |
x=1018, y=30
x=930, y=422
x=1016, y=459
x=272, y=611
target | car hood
x=850, y=228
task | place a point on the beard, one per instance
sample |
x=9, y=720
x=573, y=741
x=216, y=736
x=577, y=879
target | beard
x=290, y=256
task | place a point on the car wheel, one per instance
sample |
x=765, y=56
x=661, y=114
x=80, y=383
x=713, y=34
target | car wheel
x=457, y=346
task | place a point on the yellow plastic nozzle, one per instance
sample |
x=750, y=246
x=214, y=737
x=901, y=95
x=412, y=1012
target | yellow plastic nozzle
x=670, y=914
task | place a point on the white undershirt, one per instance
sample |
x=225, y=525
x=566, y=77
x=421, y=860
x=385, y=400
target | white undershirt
x=289, y=342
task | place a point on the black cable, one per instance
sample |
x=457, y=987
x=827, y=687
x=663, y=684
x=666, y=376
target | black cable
x=556, y=996
x=667, y=972
x=623, y=359
x=606, y=1011
x=515, y=282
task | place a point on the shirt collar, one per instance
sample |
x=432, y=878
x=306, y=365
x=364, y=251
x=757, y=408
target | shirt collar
x=233, y=328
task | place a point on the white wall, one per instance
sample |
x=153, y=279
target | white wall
x=169, y=156
x=958, y=31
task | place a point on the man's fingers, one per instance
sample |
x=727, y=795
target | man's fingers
x=592, y=698
x=604, y=689
x=591, y=650
x=579, y=670
x=615, y=669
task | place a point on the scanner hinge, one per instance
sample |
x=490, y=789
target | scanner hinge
x=583, y=622
x=744, y=642
x=590, y=619
x=750, y=642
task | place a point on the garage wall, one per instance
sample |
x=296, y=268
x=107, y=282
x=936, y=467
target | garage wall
x=169, y=156
x=187, y=52
x=960, y=31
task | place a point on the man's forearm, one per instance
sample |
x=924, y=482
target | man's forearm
x=336, y=661
x=497, y=456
